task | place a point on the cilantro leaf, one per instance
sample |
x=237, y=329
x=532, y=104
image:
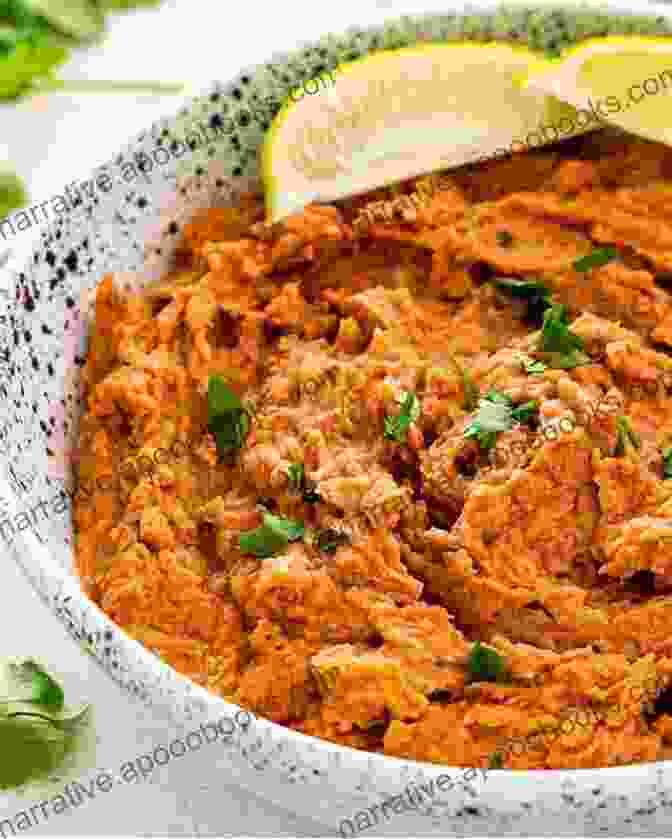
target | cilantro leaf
x=625, y=437
x=595, y=259
x=531, y=366
x=497, y=397
x=221, y=399
x=525, y=412
x=36, y=732
x=34, y=685
x=37, y=749
x=667, y=463
x=37, y=35
x=299, y=484
x=228, y=419
x=496, y=412
x=62, y=720
x=272, y=536
x=493, y=416
x=297, y=475
x=396, y=428
x=124, y=5
x=504, y=238
x=79, y=19
x=329, y=540
x=27, y=61
x=563, y=349
x=486, y=439
x=486, y=665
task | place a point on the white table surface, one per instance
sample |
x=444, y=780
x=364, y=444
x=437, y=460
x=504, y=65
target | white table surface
x=52, y=141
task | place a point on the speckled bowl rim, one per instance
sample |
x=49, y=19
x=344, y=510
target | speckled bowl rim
x=184, y=697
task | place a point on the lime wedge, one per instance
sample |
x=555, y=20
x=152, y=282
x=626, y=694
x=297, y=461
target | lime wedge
x=401, y=113
x=627, y=80
x=78, y=18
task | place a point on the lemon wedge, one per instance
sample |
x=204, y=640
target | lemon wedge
x=626, y=80
x=401, y=113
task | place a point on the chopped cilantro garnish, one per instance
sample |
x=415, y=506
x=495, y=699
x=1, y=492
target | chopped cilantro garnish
x=496, y=413
x=228, y=419
x=485, y=664
x=497, y=397
x=299, y=484
x=272, y=536
x=504, y=238
x=625, y=437
x=330, y=539
x=525, y=412
x=562, y=348
x=667, y=463
x=297, y=475
x=595, y=259
x=531, y=366
x=534, y=292
x=396, y=428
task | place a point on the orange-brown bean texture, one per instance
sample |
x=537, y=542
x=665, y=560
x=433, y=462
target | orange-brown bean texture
x=555, y=551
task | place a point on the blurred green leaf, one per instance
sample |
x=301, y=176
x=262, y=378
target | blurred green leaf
x=79, y=18
x=30, y=750
x=124, y=5
x=65, y=720
x=12, y=194
x=37, y=35
x=25, y=63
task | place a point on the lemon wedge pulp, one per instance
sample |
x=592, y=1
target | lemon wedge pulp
x=401, y=113
x=627, y=80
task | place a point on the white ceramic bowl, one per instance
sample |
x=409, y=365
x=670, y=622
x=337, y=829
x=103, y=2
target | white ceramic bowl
x=130, y=227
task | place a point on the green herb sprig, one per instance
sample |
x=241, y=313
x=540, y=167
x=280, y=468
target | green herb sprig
x=272, y=537
x=228, y=419
x=34, y=684
x=626, y=437
x=486, y=665
x=36, y=732
x=595, y=259
x=36, y=37
x=496, y=413
x=561, y=347
x=300, y=485
x=531, y=366
x=12, y=194
x=504, y=238
x=396, y=428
